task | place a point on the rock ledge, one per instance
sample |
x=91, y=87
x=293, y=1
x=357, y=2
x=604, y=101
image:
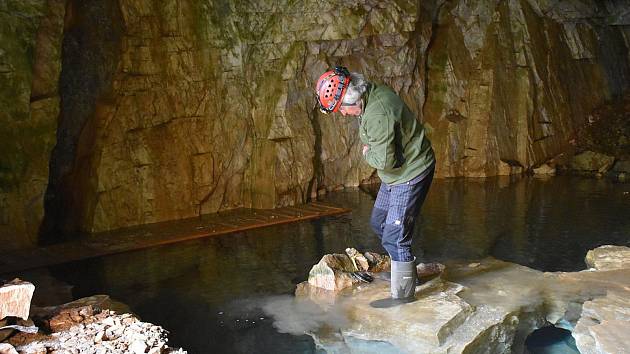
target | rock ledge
x=486, y=307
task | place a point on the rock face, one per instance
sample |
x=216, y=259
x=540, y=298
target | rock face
x=15, y=299
x=174, y=109
x=487, y=307
x=496, y=72
x=30, y=63
x=607, y=130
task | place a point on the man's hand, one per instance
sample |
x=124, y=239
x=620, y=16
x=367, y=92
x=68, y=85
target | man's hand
x=365, y=149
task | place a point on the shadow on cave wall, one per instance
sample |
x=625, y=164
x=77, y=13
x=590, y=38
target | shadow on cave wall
x=89, y=53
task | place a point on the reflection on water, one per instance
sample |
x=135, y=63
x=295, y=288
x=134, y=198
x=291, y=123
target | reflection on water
x=203, y=290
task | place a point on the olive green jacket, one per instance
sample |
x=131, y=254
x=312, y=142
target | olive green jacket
x=398, y=146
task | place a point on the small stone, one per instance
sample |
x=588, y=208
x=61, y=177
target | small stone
x=15, y=299
x=138, y=347
x=61, y=322
x=76, y=317
x=545, y=169
x=429, y=269
x=378, y=262
x=108, y=321
x=86, y=311
x=6, y=348
x=99, y=337
x=332, y=272
x=360, y=262
x=155, y=350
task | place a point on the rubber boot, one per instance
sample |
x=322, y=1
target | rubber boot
x=402, y=285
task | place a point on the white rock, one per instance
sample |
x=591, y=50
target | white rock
x=138, y=347
x=15, y=299
x=6, y=348
x=109, y=321
x=99, y=337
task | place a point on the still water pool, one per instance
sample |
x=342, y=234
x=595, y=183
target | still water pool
x=205, y=291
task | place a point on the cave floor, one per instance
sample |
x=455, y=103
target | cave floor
x=145, y=236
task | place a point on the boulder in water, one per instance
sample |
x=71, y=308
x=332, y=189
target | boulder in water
x=590, y=161
x=609, y=257
x=545, y=169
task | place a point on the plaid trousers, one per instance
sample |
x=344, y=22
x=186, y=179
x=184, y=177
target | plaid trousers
x=395, y=212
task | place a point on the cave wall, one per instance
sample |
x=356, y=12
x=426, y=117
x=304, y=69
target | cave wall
x=509, y=81
x=30, y=42
x=169, y=109
x=210, y=106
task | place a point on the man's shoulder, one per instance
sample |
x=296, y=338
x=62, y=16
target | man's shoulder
x=382, y=101
x=383, y=92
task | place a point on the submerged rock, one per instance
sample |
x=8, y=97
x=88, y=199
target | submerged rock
x=488, y=307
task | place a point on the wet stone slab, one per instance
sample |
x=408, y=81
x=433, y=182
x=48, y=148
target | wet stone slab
x=490, y=306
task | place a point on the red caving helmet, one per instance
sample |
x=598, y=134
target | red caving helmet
x=331, y=87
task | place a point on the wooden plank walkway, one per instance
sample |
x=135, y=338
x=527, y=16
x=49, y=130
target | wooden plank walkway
x=145, y=236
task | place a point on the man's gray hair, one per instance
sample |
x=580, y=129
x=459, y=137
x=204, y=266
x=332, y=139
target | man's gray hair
x=356, y=88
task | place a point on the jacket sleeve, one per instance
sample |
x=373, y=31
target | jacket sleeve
x=380, y=132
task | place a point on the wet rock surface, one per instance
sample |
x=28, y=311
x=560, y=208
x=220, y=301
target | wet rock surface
x=609, y=258
x=490, y=306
